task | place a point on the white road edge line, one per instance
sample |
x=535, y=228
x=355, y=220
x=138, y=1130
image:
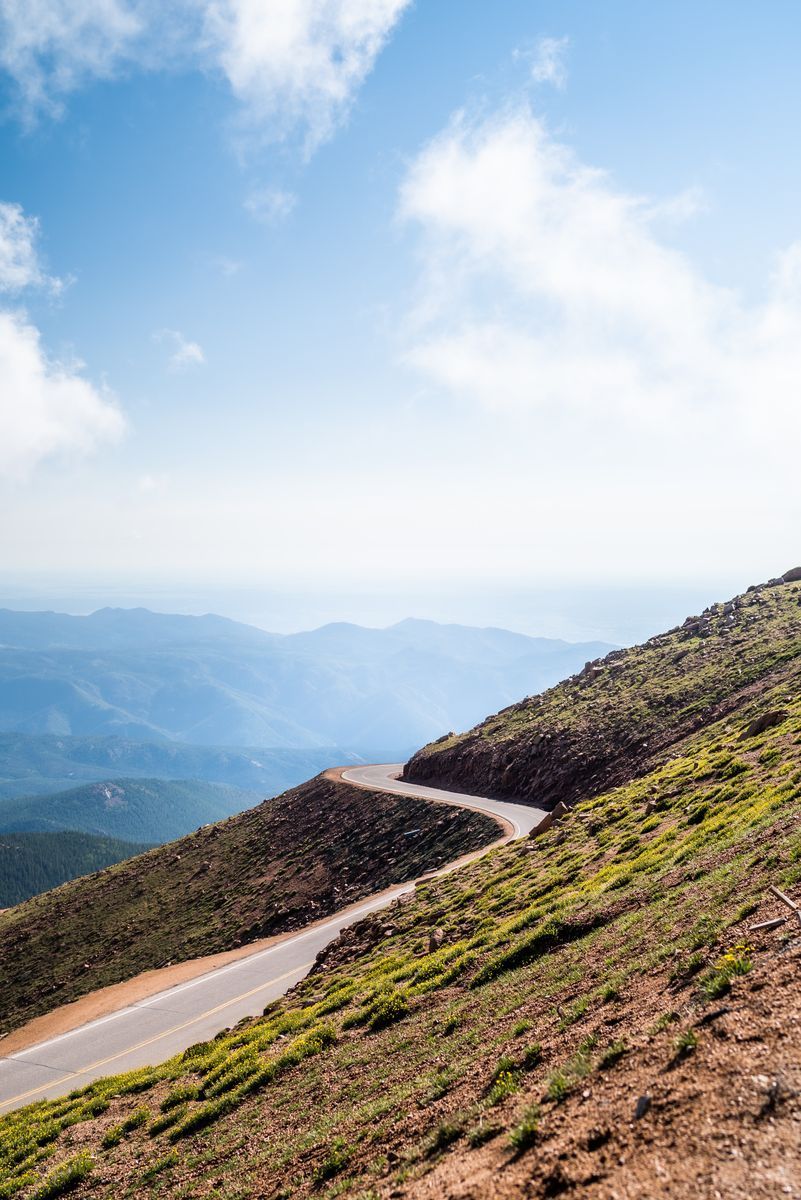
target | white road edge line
x=460, y=800
x=216, y=972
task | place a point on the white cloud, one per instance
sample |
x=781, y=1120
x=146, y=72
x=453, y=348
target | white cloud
x=547, y=291
x=19, y=261
x=47, y=407
x=148, y=484
x=228, y=267
x=291, y=63
x=686, y=204
x=52, y=47
x=548, y=61
x=184, y=354
x=299, y=62
x=270, y=205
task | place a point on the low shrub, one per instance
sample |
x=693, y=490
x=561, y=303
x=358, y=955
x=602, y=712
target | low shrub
x=115, y=1135
x=612, y=1054
x=387, y=1009
x=532, y=1056
x=481, y=1133
x=505, y=1083
x=443, y=1136
x=180, y=1095
x=685, y=1043
x=338, y=1157
x=524, y=1133
x=65, y=1178
x=162, y=1164
x=734, y=962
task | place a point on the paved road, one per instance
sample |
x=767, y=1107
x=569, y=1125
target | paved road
x=154, y=1029
x=522, y=817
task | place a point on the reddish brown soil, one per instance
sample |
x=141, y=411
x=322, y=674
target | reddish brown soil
x=721, y=1123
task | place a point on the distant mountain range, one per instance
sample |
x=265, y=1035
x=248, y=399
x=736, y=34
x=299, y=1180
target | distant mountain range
x=130, y=726
x=209, y=681
x=37, y=764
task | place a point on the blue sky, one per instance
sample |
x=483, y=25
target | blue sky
x=437, y=293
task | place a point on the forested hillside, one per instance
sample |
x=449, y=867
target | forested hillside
x=144, y=810
x=35, y=862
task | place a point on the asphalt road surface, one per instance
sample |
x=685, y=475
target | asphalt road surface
x=154, y=1029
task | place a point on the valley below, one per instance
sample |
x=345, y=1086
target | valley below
x=129, y=726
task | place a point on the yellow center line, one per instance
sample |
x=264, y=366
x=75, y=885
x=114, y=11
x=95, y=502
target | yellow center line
x=101, y=1062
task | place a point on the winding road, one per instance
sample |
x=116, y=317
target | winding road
x=153, y=1029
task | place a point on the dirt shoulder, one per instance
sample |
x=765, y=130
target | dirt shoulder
x=111, y=999
x=228, y=889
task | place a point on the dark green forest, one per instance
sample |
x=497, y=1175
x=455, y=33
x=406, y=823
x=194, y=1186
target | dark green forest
x=35, y=862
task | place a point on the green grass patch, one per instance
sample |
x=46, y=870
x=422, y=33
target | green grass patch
x=64, y=1178
x=524, y=1133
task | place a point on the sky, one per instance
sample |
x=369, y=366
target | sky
x=373, y=306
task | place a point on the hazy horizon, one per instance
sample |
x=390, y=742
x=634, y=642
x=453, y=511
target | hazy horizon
x=622, y=614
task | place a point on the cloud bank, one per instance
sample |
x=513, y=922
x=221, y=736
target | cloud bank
x=46, y=407
x=547, y=289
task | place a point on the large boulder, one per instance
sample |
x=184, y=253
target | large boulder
x=760, y=724
x=793, y=576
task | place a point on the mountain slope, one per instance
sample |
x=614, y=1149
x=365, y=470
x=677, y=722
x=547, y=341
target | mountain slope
x=207, y=681
x=270, y=869
x=36, y=862
x=597, y=1015
x=622, y=714
x=148, y=810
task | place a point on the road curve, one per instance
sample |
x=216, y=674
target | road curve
x=155, y=1028
x=522, y=818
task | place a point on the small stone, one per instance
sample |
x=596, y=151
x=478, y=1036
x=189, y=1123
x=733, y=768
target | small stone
x=642, y=1106
x=435, y=939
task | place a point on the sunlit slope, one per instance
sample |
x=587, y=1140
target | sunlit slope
x=622, y=714
x=586, y=1013
x=270, y=869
